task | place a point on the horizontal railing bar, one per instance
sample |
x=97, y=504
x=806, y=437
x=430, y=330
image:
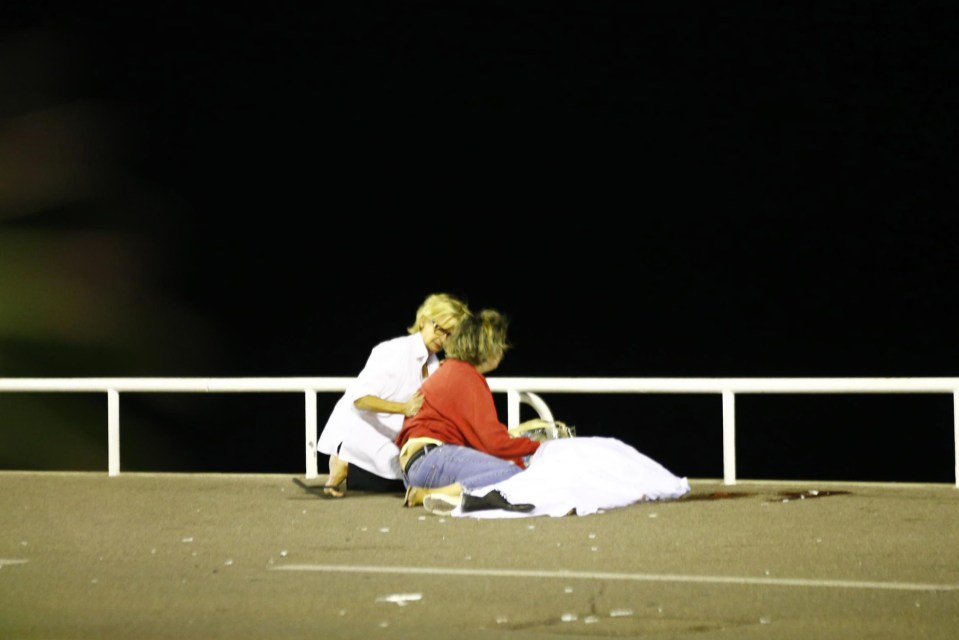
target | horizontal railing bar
x=498, y=384
x=187, y=385
x=721, y=385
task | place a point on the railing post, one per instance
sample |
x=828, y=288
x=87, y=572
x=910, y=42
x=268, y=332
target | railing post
x=311, y=470
x=729, y=437
x=955, y=430
x=512, y=407
x=113, y=432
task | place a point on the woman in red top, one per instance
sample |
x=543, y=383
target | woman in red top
x=456, y=443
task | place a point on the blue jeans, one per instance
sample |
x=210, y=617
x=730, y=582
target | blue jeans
x=451, y=463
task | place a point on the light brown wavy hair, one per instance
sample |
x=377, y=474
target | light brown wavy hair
x=479, y=337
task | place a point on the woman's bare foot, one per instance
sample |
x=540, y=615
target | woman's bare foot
x=335, y=483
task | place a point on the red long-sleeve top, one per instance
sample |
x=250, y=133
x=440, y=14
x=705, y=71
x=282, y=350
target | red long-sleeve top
x=458, y=408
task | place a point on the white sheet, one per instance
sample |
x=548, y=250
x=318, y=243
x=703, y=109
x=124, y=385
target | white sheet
x=584, y=475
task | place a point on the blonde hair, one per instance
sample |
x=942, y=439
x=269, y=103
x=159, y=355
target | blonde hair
x=443, y=309
x=479, y=338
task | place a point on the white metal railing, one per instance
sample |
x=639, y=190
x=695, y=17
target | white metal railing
x=518, y=390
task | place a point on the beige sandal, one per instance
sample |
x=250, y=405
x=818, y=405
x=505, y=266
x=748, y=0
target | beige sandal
x=416, y=495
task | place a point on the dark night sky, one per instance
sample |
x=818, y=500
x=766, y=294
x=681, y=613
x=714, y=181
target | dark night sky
x=647, y=189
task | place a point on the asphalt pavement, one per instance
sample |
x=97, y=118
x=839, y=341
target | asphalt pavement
x=248, y=556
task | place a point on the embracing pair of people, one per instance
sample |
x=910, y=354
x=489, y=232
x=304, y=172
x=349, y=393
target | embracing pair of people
x=412, y=422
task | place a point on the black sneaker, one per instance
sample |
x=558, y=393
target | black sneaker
x=492, y=500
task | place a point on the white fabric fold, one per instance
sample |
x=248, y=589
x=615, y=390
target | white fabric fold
x=583, y=476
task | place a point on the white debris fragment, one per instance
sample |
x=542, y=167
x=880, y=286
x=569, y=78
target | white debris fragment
x=620, y=613
x=187, y=539
x=228, y=562
x=384, y=529
x=501, y=619
x=8, y=561
x=284, y=553
x=765, y=620
x=591, y=619
x=568, y=589
x=569, y=617
x=401, y=599
x=654, y=515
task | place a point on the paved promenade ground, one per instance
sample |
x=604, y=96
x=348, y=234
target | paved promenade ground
x=235, y=557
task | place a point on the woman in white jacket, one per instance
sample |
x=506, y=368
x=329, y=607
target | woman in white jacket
x=363, y=425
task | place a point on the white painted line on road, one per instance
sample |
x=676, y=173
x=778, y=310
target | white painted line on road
x=5, y=561
x=637, y=577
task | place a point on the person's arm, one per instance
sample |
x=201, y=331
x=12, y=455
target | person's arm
x=379, y=405
x=382, y=386
x=482, y=428
x=523, y=428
